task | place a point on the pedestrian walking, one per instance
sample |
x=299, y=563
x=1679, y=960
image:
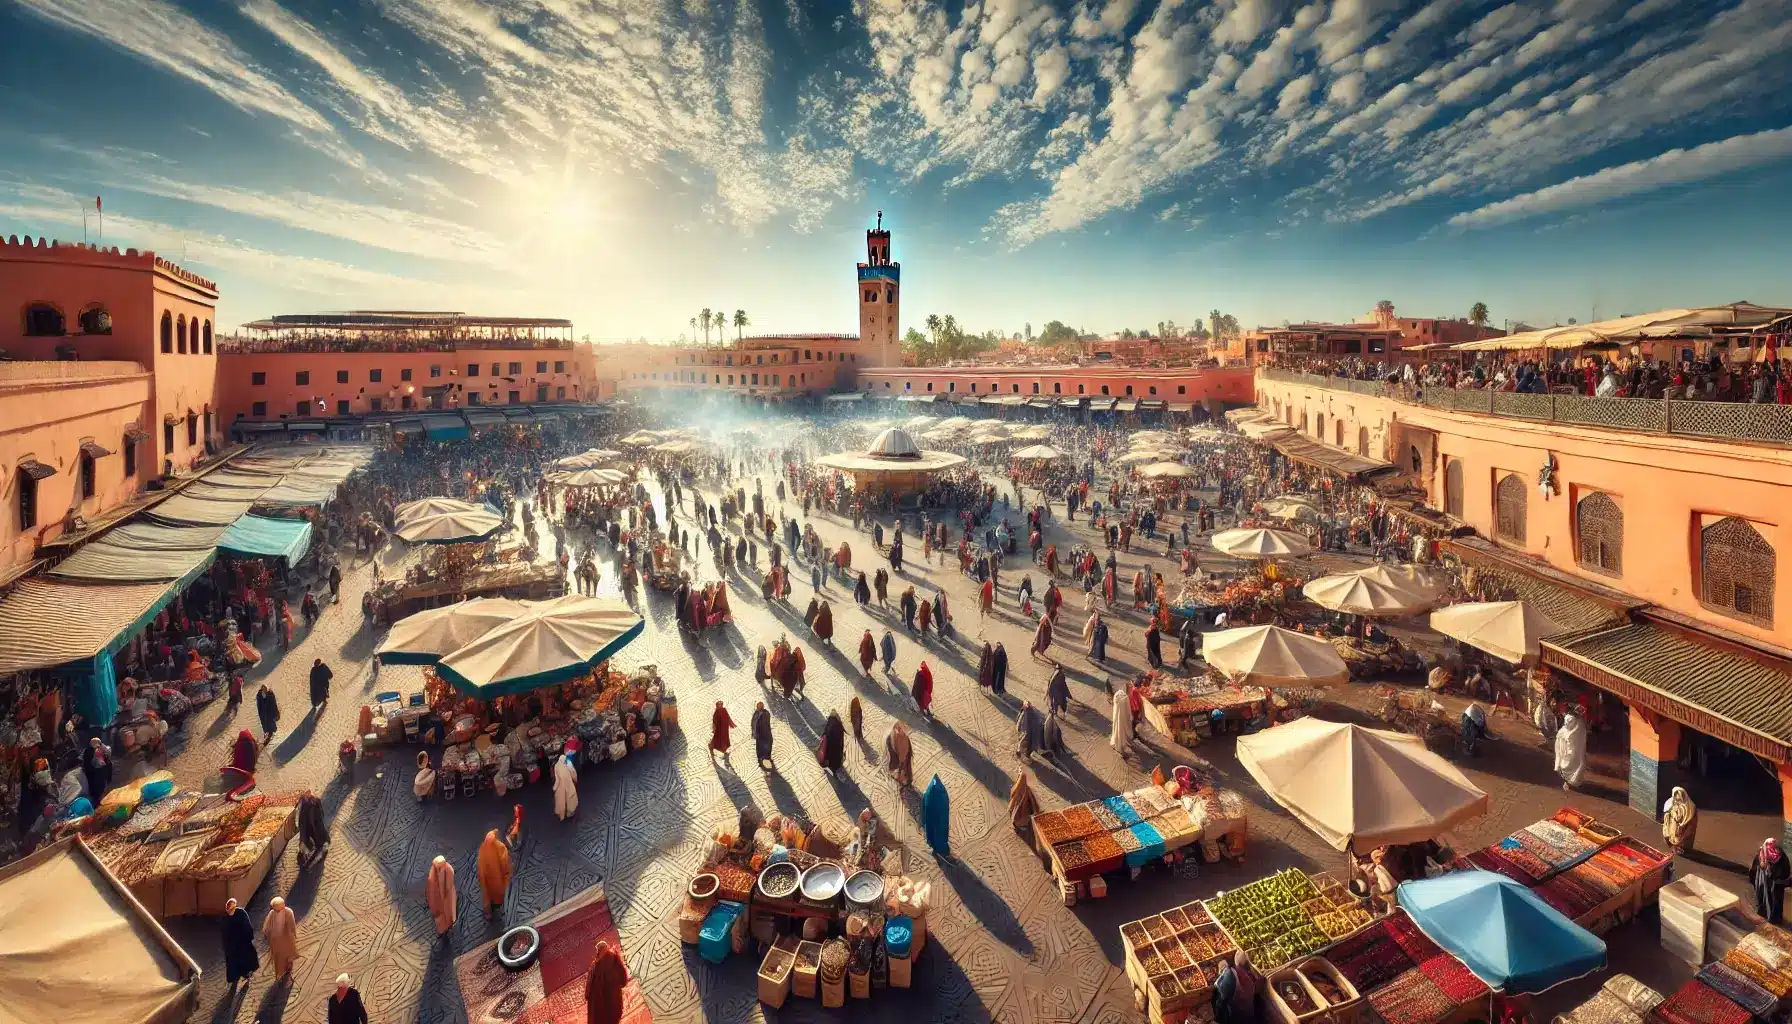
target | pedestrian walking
x=240, y=958
x=889, y=650
x=998, y=665
x=267, y=708
x=867, y=652
x=719, y=724
x=281, y=929
x=345, y=1004
x=566, y=787
x=440, y=894
x=762, y=736
x=922, y=690
x=494, y=871
x=320, y=682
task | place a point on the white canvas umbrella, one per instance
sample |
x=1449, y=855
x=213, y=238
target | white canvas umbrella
x=1260, y=543
x=1273, y=656
x=1504, y=629
x=424, y=638
x=1039, y=453
x=1037, y=432
x=1284, y=508
x=1140, y=458
x=1357, y=787
x=592, y=459
x=1408, y=577
x=1166, y=471
x=550, y=642
x=588, y=477
x=432, y=507
x=451, y=527
x=1359, y=594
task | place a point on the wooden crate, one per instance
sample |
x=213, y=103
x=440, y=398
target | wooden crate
x=774, y=976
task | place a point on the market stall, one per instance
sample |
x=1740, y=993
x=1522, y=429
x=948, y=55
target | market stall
x=187, y=853
x=75, y=946
x=1085, y=841
x=829, y=904
x=1192, y=710
x=1505, y=933
x=548, y=987
x=457, y=579
x=1589, y=871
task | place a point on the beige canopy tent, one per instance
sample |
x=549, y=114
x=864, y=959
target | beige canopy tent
x=1037, y=432
x=593, y=458
x=423, y=638
x=424, y=507
x=591, y=477
x=1359, y=788
x=1166, y=471
x=1505, y=629
x=75, y=945
x=450, y=527
x=894, y=463
x=1039, y=453
x=1664, y=323
x=1290, y=508
x=1273, y=656
x=1260, y=543
x=550, y=642
x=1359, y=594
x=1144, y=456
x=1407, y=577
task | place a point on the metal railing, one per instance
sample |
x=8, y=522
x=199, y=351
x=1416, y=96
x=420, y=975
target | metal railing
x=1735, y=421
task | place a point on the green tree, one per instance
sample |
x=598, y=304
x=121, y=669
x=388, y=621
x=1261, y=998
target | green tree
x=1056, y=334
x=917, y=345
x=933, y=327
x=1217, y=320
x=740, y=322
x=1198, y=329
x=1477, y=315
x=1029, y=330
x=703, y=322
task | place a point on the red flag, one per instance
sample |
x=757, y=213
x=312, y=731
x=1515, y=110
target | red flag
x=96, y=205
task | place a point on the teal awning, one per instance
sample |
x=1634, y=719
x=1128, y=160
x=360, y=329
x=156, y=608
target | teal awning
x=484, y=417
x=266, y=537
x=445, y=428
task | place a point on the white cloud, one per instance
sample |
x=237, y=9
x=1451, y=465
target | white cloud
x=1675, y=167
x=1244, y=23
x=164, y=35
x=1270, y=66
x=1294, y=96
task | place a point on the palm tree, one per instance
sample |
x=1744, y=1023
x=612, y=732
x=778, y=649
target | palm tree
x=1218, y=322
x=1477, y=315
x=693, y=328
x=933, y=326
x=1384, y=311
x=703, y=322
x=740, y=322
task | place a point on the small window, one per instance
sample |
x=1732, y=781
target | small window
x=542, y=365
x=129, y=450
x=1104, y=389
x=376, y=404
x=342, y=376
x=472, y=398
x=373, y=376
x=1129, y=390
x=258, y=378
x=167, y=332
x=559, y=366
x=192, y=428
x=302, y=378
x=1057, y=388
x=342, y=407
x=1416, y=458
x=43, y=320
x=258, y=408
x=1182, y=389
x=180, y=336
x=208, y=337
x=1015, y=388
x=516, y=368
x=89, y=477
x=930, y=385
x=472, y=369
x=973, y=387
x=1599, y=530
x=404, y=374
x=1079, y=389
x=1153, y=390
x=1737, y=570
x=27, y=499
x=513, y=399
x=167, y=437
x=560, y=393
x=96, y=321
x=435, y=369
x=952, y=386
x=541, y=393
x=302, y=408
x=495, y=370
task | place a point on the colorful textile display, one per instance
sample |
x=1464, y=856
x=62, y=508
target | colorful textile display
x=1370, y=958
x=1410, y=998
x=1740, y=990
x=1453, y=977
x=1698, y=1003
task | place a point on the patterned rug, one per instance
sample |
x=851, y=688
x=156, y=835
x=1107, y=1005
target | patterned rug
x=552, y=989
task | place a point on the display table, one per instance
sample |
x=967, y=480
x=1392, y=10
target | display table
x=199, y=852
x=1591, y=872
x=1687, y=905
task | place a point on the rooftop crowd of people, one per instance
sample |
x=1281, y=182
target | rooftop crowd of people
x=1768, y=382
x=384, y=342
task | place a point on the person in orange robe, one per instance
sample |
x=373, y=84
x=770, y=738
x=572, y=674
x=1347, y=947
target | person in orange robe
x=604, y=985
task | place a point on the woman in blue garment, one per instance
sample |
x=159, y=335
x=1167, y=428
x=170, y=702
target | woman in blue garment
x=936, y=817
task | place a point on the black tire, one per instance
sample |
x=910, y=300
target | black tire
x=521, y=961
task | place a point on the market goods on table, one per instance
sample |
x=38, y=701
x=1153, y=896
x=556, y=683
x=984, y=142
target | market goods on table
x=1137, y=827
x=188, y=853
x=1589, y=871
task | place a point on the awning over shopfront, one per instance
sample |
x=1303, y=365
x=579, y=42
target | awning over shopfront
x=445, y=428
x=1304, y=449
x=111, y=561
x=519, y=412
x=1574, y=603
x=266, y=537
x=484, y=417
x=297, y=490
x=1740, y=697
x=407, y=426
x=1248, y=414
x=1040, y=402
x=1182, y=408
x=47, y=622
x=148, y=536
x=1126, y=405
x=259, y=427
x=917, y=398
x=223, y=492
x=1070, y=403
x=316, y=425
x=842, y=399
x=185, y=510
x=1101, y=405
x=1151, y=405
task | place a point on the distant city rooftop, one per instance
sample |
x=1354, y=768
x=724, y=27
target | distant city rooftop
x=401, y=320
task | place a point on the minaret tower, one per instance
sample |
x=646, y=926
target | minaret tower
x=880, y=301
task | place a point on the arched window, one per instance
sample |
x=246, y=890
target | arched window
x=1453, y=487
x=1319, y=426
x=43, y=320
x=167, y=332
x=180, y=335
x=1599, y=532
x=95, y=320
x=1415, y=458
x=1338, y=433
x=1362, y=441
x=1303, y=422
x=1509, y=508
x=1736, y=570
x=208, y=337
x=192, y=428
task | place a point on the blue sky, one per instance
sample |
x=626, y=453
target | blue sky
x=1110, y=163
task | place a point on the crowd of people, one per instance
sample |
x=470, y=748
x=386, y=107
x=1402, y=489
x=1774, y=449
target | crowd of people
x=385, y=342
x=1602, y=374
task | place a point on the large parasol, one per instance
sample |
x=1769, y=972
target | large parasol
x=1505, y=629
x=433, y=507
x=1166, y=471
x=893, y=451
x=1039, y=453
x=1273, y=656
x=1360, y=594
x=588, y=477
x=1260, y=543
x=451, y=527
x=424, y=638
x=1358, y=787
x=550, y=642
x=594, y=458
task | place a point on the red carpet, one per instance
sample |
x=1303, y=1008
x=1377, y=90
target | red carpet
x=552, y=990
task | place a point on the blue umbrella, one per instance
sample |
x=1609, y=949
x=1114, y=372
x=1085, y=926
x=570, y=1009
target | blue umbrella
x=1502, y=930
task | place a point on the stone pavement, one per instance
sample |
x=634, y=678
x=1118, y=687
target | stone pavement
x=1004, y=946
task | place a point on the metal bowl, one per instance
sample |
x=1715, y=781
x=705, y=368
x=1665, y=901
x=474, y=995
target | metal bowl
x=823, y=882
x=865, y=888
x=779, y=881
x=705, y=885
